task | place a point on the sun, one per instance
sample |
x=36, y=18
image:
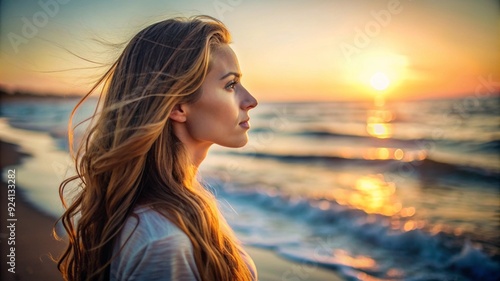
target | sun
x=379, y=81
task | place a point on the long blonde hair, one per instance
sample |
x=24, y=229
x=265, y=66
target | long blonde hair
x=131, y=155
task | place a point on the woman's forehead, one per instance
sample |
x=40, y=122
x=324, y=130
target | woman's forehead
x=224, y=60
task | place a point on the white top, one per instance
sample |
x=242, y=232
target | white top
x=156, y=250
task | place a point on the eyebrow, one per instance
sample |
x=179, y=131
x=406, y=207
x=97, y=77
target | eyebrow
x=238, y=75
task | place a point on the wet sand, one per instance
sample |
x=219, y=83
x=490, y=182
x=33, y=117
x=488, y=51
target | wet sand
x=34, y=243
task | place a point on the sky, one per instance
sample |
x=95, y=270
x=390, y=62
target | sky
x=288, y=50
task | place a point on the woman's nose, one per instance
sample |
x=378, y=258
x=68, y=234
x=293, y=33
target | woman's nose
x=248, y=101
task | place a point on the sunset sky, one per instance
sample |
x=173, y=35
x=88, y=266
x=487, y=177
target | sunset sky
x=288, y=50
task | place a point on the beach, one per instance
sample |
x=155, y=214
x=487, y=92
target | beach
x=35, y=244
x=312, y=196
x=372, y=147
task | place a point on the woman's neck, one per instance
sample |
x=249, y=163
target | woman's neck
x=197, y=150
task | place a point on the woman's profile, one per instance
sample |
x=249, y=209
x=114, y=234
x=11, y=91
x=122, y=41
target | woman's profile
x=140, y=213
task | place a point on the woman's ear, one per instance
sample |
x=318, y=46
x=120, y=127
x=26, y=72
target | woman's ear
x=178, y=113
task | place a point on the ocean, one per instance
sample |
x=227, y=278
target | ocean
x=374, y=191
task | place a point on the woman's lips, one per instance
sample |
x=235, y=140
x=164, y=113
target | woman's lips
x=245, y=124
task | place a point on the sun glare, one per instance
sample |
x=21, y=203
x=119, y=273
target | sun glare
x=377, y=72
x=380, y=81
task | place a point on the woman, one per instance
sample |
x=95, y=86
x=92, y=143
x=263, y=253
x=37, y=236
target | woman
x=140, y=213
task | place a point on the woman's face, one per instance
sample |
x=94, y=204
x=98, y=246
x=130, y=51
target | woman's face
x=220, y=115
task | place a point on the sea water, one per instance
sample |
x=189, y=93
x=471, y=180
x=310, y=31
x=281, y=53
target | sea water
x=393, y=191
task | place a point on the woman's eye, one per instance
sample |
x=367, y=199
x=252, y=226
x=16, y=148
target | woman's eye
x=231, y=85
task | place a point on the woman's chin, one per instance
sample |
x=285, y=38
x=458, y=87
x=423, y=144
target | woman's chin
x=237, y=143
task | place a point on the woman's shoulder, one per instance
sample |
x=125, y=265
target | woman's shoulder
x=147, y=225
x=148, y=240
